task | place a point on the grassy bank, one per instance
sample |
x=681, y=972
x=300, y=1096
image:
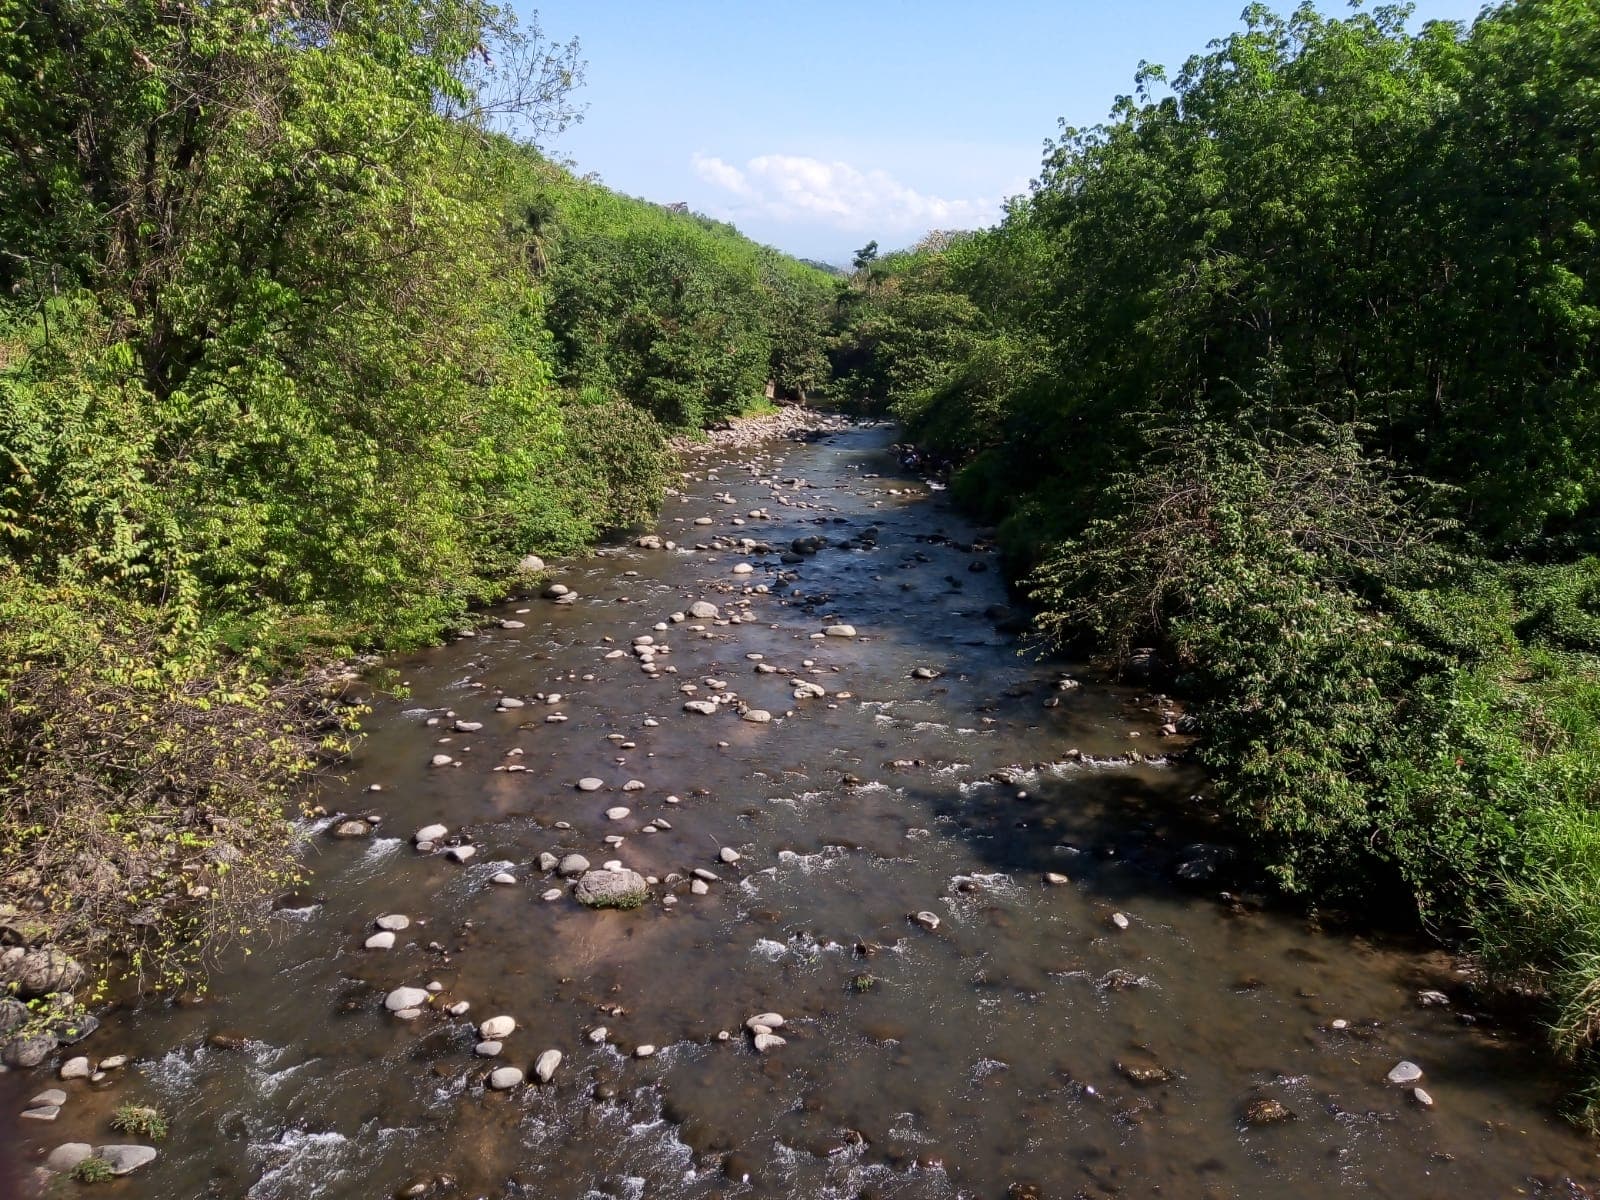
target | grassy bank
x=1289, y=370
x=304, y=348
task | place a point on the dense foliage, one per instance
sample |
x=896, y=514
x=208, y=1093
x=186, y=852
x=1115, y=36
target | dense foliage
x=1290, y=370
x=303, y=347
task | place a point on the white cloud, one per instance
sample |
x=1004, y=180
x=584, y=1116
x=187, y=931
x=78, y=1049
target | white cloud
x=714, y=170
x=788, y=187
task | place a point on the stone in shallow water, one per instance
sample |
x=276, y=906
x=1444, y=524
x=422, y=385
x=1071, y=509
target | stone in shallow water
x=840, y=631
x=380, y=941
x=768, y=1041
x=590, y=784
x=504, y=1078
x=545, y=1066
x=76, y=1068
x=497, y=1028
x=1405, y=1072
x=612, y=889
x=68, y=1155
x=394, y=922
x=405, y=997
x=125, y=1159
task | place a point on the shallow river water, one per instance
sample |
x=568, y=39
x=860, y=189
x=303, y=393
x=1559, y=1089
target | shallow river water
x=1029, y=1041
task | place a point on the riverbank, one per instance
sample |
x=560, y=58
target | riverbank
x=990, y=967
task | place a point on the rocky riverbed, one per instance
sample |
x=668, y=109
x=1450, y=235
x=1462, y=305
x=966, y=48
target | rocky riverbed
x=747, y=857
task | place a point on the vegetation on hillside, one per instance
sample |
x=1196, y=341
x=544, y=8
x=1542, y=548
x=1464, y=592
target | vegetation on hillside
x=1292, y=369
x=303, y=347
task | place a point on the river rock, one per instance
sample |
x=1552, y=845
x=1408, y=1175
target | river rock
x=510, y=624
x=757, y=716
x=13, y=1015
x=556, y=590
x=512, y=702
x=124, y=1160
x=429, y=833
x=1266, y=1111
x=574, y=864
x=598, y=1034
x=840, y=631
x=504, y=1078
x=1405, y=1072
x=926, y=919
x=441, y=760
x=46, y=1112
x=768, y=1041
x=405, y=997
x=1421, y=1097
x=531, y=564
x=729, y=855
x=590, y=784
x=771, y=1020
x=76, y=1068
x=644, y=1051
x=47, y=1098
x=497, y=1029
x=612, y=889
x=503, y=878
x=924, y=673
x=28, y=1052
x=462, y=853
x=703, y=610
x=393, y=922
x=703, y=707
x=68, y=1155
x=380, y=941
x=618, y=814
x=545, y=1066
x=350, y=829
x=487, y=1049
x=31, y=973
x=548, y=861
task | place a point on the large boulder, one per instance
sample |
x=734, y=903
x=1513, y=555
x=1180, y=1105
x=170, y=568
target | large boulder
x=13, y=1015
x=612, y=889
x=28, y=1051
x=38, y=972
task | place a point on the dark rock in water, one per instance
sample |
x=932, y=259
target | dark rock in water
x=1142, y=663
x=1024, y=1191
x=1266, y=1111
x=1144, y=1073
x=73, y=1026
x=1200, y=862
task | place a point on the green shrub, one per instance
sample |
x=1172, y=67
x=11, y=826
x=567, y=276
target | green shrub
x=140, y=1120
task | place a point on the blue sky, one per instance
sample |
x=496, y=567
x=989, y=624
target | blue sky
x=817, y=125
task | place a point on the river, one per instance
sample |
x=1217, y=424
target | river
x=1104, y=1034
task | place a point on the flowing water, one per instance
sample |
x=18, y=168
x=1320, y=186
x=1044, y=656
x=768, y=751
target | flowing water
x=1028, y=1041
